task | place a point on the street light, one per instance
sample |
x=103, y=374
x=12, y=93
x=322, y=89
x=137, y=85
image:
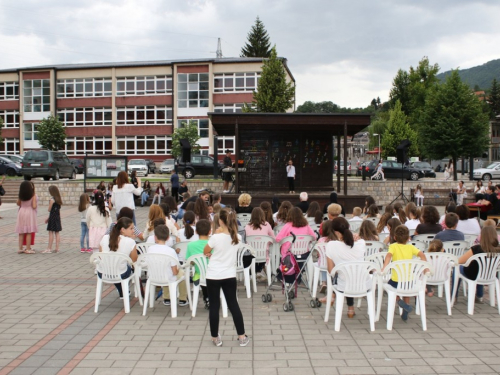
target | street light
x=378, y=145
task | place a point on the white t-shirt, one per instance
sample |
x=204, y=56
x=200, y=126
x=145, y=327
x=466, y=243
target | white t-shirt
x=194, y=237
x=340, y=253
x=412, y=223
x=124, y=197
x=170, y=242
x=125, y=246
x=469, y=226
x=222, y=263
x=165, y=250
x=356, y=218
x=290, y=171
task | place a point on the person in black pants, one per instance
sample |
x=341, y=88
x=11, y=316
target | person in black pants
x=290, y=174
x=221, y=274
x=492, y=202
x=174, y=181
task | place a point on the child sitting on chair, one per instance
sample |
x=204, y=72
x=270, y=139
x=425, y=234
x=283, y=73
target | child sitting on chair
x=400, y=250
x=356, y=214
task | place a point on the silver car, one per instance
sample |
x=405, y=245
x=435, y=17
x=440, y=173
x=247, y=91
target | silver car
x=491, y=172
x=138, y=165
x=167, y=166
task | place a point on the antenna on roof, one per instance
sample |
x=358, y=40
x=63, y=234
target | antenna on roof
x=218, y=54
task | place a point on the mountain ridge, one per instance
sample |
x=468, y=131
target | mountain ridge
x=481, y=75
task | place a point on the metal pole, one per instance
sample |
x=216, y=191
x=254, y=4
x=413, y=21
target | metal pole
x=237, y=140
x=379, y=147
x=345, y=158
x=338, y=163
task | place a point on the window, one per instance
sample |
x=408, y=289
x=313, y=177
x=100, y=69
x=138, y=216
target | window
x=85, y=116
x=229, y=108
x=201, y=123
x=37, y=95
x=225, y=143
x=10, y=146
x=148, y=115
x=83, y=87
x=92, y=145
x=192, y=90
x=31, y=131
x=150, y=85
x=9, y=90
x=10, y=118
x=144, y=145
x=231, y=82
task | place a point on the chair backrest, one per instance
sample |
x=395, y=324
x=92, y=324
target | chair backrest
x=142, y=248
x=382, y=236
x=457, y=248
x=410, y=274
x=201, y=263
x=325, y=217
x=488, y=267
x=357, y=275
x=443, y=264
x=412, y=231
x=243, y=249
x=377, y=258
x=422, y=246
x=355, y=225
x=157, y=266
x=426, y=238
x=278, y=228
x=315, y=227
x=262, y=246
x=244, y=219
x=311, y=220
x=303, y=243
x=374, y=219
x=320, y=248
x=183, y=249
x=109, y=264
x=470, y=238
x=373, y=247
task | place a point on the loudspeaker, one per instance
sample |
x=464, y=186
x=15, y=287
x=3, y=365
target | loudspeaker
x=186, y=150
x=402, y=151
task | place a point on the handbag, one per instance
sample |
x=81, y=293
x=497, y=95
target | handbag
x=2, y=190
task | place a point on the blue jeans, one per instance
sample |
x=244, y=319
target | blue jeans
x=124, y=275
x=479, y=288
x=180, y=213
x=144, y=198
x=85, y=233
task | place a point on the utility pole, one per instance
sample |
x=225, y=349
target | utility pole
x=218, y=54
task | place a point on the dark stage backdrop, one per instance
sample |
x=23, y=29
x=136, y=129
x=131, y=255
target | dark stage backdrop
x=266, y=156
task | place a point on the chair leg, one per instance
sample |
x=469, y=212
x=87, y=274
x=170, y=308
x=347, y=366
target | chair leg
x=339, y=306
x=137, y=283
x=370, y=301
x=196, y=295
x=359, y=302
x=329, y=291
x=417, y=307
x=423, y=315
x=497, y=290
x=472, y=295
x=188, y=290
x=126, y=297
x=440, y=291
x=268, y=273
x=98, y=294
x=391, y=305
x=223, y=303
x=147, y=296
x=455, y=285
x=254, y=277
x=492, y=294
x=173, y=299
x=447, y=295
x=315, y=282
x=246, y=273
x=380, y=295
x=152, y=290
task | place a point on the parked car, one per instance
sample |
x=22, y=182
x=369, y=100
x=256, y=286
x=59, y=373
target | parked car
x=424, y=167
x=491, y=172
x=167, y=166
x=47, y=164
x=15, y=158
x=138, y=165
x=9, y=167
x=392, y=169
x=78, y=163
x=151, y=165
x=342, y=167
x=200, y=164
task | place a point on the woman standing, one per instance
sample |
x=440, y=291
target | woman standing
x=461, y=193
x=26, y=217
x=98, y=220
x=123, y=193
x=221, y=274
x=446, y=172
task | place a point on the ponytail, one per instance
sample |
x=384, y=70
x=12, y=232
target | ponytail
x=339, y=224
x=114, y=236
x=189, y=220
x=229, y=219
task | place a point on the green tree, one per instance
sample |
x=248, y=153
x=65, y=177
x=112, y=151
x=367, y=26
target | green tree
x=51, y=134
x=320, y=107
x=274, y=93
x=377, y=126
x=258, y=44
x=397, y=130
x=401, y=91
x=187, y=131
x=494, y=98
x=454, y=123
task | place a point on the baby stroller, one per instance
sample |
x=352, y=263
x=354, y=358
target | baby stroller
x=289, y=273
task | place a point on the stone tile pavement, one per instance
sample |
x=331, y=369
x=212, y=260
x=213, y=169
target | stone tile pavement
x=47, y=326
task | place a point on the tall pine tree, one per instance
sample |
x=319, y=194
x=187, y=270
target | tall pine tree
x=396, y=131
x=494, y=98
x=274, y=93
x=258, y=44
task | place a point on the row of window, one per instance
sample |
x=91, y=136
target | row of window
x=36, y=95
x=9, y=90
x=83, y=87
x=228, y=82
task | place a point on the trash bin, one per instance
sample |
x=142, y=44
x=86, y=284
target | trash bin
x=363, y=171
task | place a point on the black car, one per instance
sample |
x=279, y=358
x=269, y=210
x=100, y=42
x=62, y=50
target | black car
x=47, y=164
x=78, y=164
x=392, y=169
x=424, y=167
x=199, y=165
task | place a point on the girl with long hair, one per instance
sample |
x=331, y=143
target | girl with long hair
x=155, y=212
x=313, y=207
x=268, y=213
x=412, y=212
x=54, y=220
x=372, y=212
x=98, y=220
x=188, y=233
x=258, y=224
x=26, y=223
x=222, y=248
x=123, y=193
x=392, y=224
x=296, y=223
x=368, y=202
x=283, y=212
x=368, y=231
x=82, y=208
x=399, y=212
x=146, y=192
x=159, y=193
x=382, y=224
x=201, y=210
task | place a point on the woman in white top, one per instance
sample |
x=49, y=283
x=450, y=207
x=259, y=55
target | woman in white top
x=343, y=251
x=124, y=193
x=119, y=241
x=222, y=249
x=461, y=193
x=466, y=225
x=419, y=195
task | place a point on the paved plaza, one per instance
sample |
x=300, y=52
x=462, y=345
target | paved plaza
x=48, y=326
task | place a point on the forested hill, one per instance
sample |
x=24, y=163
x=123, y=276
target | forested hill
x=479, y=75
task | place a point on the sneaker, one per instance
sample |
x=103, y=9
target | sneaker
x=82, y=250
x=183, y=303
x=479, y=300
x=244, y=341
x=218, y=340
x=166, y=302
x=90, y=250
x=405, y=306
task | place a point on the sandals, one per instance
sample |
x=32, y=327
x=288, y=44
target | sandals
x=350, y=313
x=29, y=251
x=47, y=251
x=21, y=251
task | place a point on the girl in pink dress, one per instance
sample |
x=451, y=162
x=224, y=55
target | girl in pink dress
x=26, y=217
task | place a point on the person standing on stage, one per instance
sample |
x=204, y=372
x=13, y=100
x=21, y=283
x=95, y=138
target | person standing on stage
x=227, y=175
x=290, y=174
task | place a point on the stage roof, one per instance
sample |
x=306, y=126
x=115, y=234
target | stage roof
x=224, y=123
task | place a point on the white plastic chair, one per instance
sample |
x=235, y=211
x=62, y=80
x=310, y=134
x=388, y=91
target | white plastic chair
x=142, y=248
x=411, y=231
x=373, y=247
x=310, y=220
x=358, y=283
x=242, y=249
x=108, y=265
x=319, y=266
x=422, y=246
x=457, y=248
x=157, y=265
x=487, y=275
x=374, y=219
x=182, y=246
x=277, y=229
x=425, y=238
x=443, y=265
x=378, y=259
x=412, y=280
x=355, y=225
x=244, y=219
x=470, y=238
x=262, y=245
x=201, y=262
x=382, y=236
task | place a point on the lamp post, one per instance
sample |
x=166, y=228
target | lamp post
x=378, y=145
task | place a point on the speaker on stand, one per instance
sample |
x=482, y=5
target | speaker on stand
x=402, y=155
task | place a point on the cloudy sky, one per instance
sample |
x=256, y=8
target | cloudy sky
x=342, y=51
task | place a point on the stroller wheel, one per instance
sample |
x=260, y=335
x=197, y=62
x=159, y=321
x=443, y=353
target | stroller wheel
x=291, y=294
x=264, y=299
x=285, y=307
x=269, y=297
x=290, y=306
x=318, y=303
x=312, y=303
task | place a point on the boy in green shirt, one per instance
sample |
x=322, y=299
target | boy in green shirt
x=203, y=228
x=400, y=250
